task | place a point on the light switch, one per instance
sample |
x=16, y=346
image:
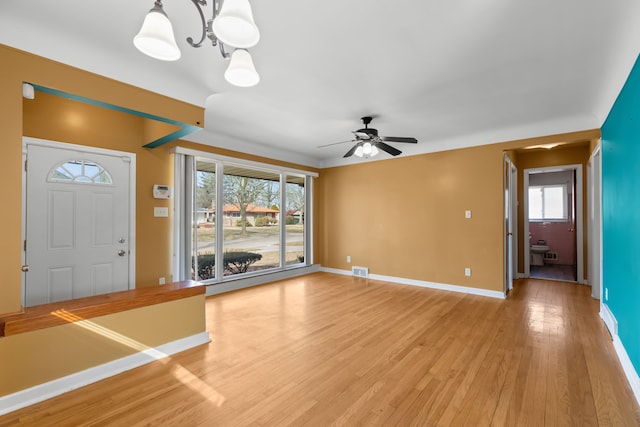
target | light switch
x=161, y=211
x=467, y=214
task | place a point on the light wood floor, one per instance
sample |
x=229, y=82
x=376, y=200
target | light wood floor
x=332, y=350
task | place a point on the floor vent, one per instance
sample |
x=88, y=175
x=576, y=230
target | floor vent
x=360, y=271
x=551, y=255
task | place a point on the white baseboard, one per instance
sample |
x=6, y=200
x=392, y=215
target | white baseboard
x=32, y=395
x=234, y=285
x=423, y=284
x=627, y=367
x=612, y=324
x=609, y=320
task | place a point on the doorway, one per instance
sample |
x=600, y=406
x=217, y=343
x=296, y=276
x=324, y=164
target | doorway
x=78, y=221
x=553, y=247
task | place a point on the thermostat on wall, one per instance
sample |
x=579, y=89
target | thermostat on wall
x=161, y=192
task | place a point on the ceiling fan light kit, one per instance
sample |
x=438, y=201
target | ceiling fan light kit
x=231, y=24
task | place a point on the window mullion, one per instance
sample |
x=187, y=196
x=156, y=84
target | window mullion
x=283, y=219
x=219, y=222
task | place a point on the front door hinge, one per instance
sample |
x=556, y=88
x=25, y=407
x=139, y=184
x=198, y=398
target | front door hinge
x=25, y=165
x=25, y=245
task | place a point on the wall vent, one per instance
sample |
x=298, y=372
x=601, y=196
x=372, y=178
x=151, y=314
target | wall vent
x=360, y=271
x=551, y=255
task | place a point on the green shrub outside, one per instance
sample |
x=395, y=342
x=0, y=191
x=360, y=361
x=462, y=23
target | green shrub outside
x=234, y=262
x=206, y=265
x=262, y=221
x=239, y=262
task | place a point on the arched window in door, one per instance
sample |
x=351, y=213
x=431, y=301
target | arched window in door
x=81, y=172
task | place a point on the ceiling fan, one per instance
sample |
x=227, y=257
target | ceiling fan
x=368, y=143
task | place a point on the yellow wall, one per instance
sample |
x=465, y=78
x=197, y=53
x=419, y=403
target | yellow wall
x=39, y=356
x=404, y=217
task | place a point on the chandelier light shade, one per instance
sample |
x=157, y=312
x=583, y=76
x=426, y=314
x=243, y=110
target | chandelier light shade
x=231, y=24
x=234, y=24
x=156, y=38
x=241, y=71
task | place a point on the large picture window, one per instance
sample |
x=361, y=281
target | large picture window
x=244, y=219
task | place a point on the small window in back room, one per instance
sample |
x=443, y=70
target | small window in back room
x=548, y=203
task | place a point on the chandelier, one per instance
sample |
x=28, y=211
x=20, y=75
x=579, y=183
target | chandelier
x=231, y=25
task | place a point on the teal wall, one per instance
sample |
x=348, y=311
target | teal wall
x=621, y=213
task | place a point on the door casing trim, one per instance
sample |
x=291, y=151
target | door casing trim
x=579, y=220
x=26, y=141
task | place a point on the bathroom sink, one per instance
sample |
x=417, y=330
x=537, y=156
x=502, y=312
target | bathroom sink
x=539, y=249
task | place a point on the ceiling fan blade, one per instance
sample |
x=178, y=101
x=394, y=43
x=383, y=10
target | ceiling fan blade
x=350, y=152
x=399, y=139
x=389, y=149
x=335, y=143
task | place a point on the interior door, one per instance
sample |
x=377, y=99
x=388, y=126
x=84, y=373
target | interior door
x=77, y=224
x=508, y=225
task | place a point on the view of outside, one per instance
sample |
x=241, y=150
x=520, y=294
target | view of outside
x=547, y=202
x=251, y=219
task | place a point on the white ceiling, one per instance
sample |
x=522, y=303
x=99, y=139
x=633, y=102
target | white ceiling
x=451, y=73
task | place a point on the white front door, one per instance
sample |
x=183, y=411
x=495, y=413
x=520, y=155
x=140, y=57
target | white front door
x=77, y=223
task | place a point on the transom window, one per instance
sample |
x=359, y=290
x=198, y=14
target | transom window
x=80, y=171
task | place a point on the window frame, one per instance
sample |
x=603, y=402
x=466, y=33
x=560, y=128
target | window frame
x=565, y=203
x=184, y=209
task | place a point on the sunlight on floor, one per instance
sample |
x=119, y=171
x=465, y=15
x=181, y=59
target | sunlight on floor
x=178, y=371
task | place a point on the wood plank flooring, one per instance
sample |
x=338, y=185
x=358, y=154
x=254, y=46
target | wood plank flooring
x=325, y=350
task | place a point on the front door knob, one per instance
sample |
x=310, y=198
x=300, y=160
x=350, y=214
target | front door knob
x=122, y=252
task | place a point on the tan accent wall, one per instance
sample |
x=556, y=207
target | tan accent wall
x=405, y=218
x=43, y=355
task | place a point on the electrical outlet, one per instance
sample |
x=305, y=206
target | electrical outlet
x=348, y=258
x=467, y=271
x=467, y=214
x=161, y=281
x=606, y=294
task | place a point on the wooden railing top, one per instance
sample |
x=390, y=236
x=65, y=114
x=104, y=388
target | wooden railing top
x=59, y=313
